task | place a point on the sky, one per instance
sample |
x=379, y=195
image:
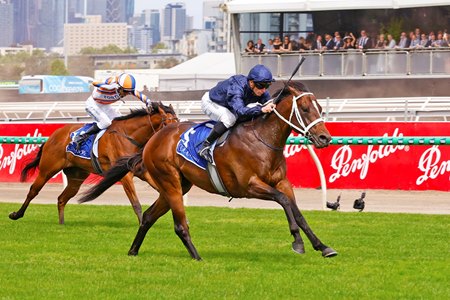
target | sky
x=193, y=8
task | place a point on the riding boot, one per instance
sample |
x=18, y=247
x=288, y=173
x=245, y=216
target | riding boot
x=78, y=139
x=215, y=133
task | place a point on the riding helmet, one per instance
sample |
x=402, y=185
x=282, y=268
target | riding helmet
x=260, y=73
x=127, y=82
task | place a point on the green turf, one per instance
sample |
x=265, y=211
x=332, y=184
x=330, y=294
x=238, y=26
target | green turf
x=246, y=255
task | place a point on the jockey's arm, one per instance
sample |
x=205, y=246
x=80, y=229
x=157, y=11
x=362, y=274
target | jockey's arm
x=142, y=97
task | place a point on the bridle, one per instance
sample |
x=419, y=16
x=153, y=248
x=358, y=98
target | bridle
x=295, y=111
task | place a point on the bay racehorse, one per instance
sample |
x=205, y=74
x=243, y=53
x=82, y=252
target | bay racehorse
x=126, y=136
x=251, y=164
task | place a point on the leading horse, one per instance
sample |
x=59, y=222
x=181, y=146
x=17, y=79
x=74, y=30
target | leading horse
x=251, y=164
x=126, y=136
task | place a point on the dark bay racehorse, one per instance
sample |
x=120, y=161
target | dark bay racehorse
x=126, y=136
x=251, y=164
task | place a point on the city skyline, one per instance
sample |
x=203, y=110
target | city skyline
x=194, y=8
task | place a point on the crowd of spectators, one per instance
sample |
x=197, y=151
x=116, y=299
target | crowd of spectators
x=314, y=42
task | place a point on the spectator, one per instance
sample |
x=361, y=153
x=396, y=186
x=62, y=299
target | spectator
x=338, y=43
x=329, y=44
x=259, y=47
x=287, y=45
x=423, y=41
x=381, y=42
x=363, y=41
x=302, y=44
x=404, y=42
x=336, y=34
x=414, y=41
x=317, y=45
x=277, y=44
x=439, y=41
x=350, y=41
x=390, y=42
x=269, y=46
x=432, y=41
x=250, y=47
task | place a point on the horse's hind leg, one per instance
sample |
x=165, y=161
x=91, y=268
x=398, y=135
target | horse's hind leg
x=182, y=228
x=35, y=188
x=130, y=190
x=286, y=187
x=150, y=216
x=75, y=177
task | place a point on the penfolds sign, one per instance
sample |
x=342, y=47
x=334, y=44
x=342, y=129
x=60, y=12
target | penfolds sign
x=401, y=167
x=13, y=157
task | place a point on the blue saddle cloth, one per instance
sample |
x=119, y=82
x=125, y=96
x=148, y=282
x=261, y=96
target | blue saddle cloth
x=191, y=141
x=86, y=145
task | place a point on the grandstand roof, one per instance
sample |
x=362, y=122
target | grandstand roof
x=207, y=63
x=250, y=6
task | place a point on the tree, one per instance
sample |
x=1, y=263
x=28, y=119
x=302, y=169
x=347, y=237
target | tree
x=57, y=67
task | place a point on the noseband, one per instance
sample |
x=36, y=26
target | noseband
x=295, y=111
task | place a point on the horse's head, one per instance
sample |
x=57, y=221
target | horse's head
x=166, y=113
x=303, y=115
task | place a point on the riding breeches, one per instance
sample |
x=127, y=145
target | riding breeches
x=103, y=114
x=217, y=112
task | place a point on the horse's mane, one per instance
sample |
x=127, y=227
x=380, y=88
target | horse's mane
x=140, y=112
x=295, y=84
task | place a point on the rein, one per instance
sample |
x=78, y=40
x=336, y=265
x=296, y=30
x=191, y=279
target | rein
x=133, y=141
x=295, y=111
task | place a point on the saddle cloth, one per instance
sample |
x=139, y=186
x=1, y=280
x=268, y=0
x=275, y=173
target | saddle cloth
x=191, y=141
x=88, y=146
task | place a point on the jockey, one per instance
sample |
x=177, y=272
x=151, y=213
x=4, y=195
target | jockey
x=98, y=105
x=228, y=102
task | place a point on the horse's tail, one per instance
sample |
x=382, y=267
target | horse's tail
x=31, y=166
x=114, y=174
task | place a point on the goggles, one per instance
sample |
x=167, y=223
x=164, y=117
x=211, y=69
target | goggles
x=262, y=85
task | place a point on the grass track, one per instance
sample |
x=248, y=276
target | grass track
x=246, y=254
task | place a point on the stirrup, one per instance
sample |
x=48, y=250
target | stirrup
x=206, y=154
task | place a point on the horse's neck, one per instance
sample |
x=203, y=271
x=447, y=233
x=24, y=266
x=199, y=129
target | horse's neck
x=272, y=130
x=139, y=129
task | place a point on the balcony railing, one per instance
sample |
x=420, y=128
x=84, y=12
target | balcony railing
x=354, y=63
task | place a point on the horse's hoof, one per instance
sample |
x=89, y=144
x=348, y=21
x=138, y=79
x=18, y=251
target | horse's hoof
x=14, y=216
x=298, y=248
x=329, y=252
x=132, y=253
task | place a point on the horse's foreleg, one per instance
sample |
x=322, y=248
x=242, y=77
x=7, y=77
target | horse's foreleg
x=286, y=187
x=150, y=216
x=75, y=177
x=130, y=190
x=261, y=190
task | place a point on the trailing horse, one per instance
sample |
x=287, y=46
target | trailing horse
x=126, y=136
x=250, y=163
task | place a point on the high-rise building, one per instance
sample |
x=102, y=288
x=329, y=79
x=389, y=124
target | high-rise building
x=174, y=22
x=26, y=21
x=50, y=29
x=154, y=25
x=6, y=23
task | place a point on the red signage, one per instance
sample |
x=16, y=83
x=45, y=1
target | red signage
x=13, y=157
x=400, y=167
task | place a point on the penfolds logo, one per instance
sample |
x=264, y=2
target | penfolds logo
x=291, y=150
x=431, y=165
x=345, y=164
x=9, y=160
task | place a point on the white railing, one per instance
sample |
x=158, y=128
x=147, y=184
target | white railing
x=351, y=109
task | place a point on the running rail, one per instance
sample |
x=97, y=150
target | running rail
x=299, y=140
x=373, y=140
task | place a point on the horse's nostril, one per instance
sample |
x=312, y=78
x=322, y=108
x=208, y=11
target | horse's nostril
x=324, y=138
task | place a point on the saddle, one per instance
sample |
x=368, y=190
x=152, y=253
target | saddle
x=189, y=144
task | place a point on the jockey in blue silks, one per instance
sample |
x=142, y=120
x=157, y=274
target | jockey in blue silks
x=228, y=102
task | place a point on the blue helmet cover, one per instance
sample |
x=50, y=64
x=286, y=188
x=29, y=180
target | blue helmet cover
x=260, y=73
